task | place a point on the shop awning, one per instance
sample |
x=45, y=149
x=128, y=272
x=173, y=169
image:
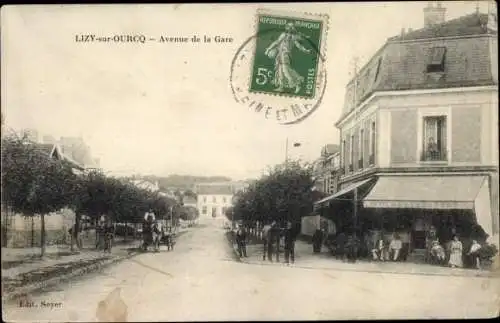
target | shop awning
x=344, y=191
x=424, y=192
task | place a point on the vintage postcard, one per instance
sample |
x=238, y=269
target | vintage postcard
x=249, y=162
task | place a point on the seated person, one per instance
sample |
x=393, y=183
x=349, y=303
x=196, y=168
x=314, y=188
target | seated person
x=378, y=250
x=395, y=247
x=437, y=251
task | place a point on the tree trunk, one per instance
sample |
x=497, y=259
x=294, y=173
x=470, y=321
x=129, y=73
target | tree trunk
x=42, y=234
x=76, y=231
x=32, y=231
x=126, y=232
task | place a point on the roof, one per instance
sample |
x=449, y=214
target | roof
x=401, y=64
x=330, y=149
x=53, y=151
x=47, y=149
x=473, y=24
x=214, y=189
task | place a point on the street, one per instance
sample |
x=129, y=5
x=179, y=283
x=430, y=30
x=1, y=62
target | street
x=200, y=280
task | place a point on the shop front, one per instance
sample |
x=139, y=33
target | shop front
x=423, y=209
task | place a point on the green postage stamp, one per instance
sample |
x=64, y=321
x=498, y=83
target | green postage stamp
x=287, y=54
x=280, y=70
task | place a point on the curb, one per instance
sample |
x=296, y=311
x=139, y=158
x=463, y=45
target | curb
x=371, y=271
x=32, y=288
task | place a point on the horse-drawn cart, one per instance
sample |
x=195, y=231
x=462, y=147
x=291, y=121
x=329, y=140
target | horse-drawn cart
x=156, y=234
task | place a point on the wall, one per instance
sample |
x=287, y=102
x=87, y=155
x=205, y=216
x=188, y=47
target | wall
x=471, y=131
x=466, y=134
x=25, y=231
x=403, y=136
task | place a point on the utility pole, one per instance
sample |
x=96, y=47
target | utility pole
x=286, y=152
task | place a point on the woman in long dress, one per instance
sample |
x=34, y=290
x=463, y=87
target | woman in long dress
x=456, y=252
x=285, y=77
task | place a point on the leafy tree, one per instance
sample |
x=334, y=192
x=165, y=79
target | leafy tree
x=33, y=183
x=284, y=194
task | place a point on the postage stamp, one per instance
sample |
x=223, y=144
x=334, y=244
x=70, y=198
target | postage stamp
x=286, y=55
x=280, y=71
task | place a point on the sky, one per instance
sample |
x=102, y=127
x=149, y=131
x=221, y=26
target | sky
x=168, y=108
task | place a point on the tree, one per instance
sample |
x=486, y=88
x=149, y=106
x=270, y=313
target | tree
x=33, y=183
x=284, y=194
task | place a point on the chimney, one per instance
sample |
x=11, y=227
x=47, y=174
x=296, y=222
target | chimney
x=434, y=15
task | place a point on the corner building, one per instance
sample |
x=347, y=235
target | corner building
x=419, y=136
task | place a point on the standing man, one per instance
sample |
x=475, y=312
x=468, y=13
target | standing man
x=318, y=238
x=241, y=237
x=268, y=242
x=289, y=243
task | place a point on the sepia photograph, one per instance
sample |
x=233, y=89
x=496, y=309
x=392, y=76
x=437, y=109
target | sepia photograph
x=249, y=161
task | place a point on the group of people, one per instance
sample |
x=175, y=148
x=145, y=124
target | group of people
x=452, y=256
x=272, y=235
x=456, y=253
x=392, y=251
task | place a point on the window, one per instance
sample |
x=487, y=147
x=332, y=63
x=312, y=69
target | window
x=214, y=212
x=214, y=199
x=361, y=148
x=436, y=59
x=372, y=144
x=434, y=139
x=344, y=157
x=204, y=209
x=204, y=199
x=224, y=199
x=351, y=153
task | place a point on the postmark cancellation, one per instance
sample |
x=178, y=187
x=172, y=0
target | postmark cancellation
x=281, y=69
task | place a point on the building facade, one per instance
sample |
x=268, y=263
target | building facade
x=213, y=199
x=327, y=171
x=419, y=134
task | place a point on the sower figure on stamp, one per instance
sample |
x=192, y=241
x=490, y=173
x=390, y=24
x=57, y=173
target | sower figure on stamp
x=281, y=50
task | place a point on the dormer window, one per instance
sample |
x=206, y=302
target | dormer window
x=436, y=60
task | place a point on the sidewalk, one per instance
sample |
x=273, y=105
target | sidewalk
x=305, y=258
x=23, y=271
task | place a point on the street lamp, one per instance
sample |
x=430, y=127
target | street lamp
x=296, y=144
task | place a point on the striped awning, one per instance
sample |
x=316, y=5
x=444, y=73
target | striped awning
x=424, y=192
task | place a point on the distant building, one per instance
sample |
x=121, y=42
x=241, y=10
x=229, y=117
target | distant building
x=78, y=150
x=327, y=169
x=31, y=135
x=213, y=199
x=48, y=139
x=147, y=185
